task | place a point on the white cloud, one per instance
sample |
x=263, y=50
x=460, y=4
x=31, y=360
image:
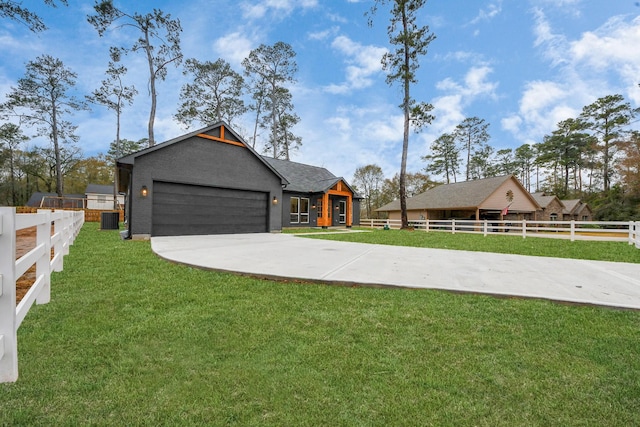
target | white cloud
x=450, y=107
x=323, y=35
x=363, y=62
x=554, y=45
x=493, y=10
x=607, y=50
x=588, y=67
x=253, y=11
x=234, y=47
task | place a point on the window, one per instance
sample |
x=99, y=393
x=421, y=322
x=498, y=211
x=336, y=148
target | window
x=295, y=210
x=299, y=211
x=585, y=218
x=304, y=211
x=319, y=208
x=553, y=217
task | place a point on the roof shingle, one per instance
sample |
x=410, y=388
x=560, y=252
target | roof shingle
x=468, y=194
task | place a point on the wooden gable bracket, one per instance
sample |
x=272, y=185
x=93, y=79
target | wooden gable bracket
x=221, y=138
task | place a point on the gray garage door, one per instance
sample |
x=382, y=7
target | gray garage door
x=180, y=209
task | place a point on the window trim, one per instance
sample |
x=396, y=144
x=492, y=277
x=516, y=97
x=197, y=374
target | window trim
x=299, y=216
x=342, y=214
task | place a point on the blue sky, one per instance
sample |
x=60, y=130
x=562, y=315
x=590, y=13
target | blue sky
x=522, y=65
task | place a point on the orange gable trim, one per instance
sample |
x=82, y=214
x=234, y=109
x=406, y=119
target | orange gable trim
x=221, y=138
x=340, y=189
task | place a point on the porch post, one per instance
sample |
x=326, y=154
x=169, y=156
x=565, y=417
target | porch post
x=325, y=210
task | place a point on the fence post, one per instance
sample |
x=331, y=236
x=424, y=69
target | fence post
x=8, y=331
x=486, y=227
x=59, y=245
x=66, y=224
x=573, y=230
x=524, y=228
x=453, y=226
x=43, y=265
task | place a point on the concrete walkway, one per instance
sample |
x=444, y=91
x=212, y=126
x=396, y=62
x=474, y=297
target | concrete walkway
x=287, y=256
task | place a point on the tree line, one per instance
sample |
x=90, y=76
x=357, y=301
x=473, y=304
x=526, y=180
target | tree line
x=594, y=157
x=42, y=102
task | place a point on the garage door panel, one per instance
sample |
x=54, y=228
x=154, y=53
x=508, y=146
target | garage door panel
x=180, y=209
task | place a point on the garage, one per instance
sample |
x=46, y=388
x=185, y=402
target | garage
x=181, y=209
x=208, y=181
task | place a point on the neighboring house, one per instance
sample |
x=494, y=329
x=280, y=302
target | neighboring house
x=501, y=197
x=52, y=201
x=577, y=210
x=100, y=197
x=211, y=182
x=551, y=207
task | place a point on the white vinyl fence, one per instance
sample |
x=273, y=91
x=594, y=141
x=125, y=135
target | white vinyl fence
x=620, y=231
x=46, y=256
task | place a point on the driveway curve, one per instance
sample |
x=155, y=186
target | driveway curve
x=285, y=256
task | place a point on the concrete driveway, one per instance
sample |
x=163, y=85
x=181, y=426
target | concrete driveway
x=291, y=257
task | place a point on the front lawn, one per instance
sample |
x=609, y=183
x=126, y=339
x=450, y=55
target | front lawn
x=130, y=339
x=507, y=244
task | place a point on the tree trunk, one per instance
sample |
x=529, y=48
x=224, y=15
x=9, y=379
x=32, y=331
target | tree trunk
x=115, y=161
x=56, y=148
x=13, y=178
x=152, y=89
x=405, y=139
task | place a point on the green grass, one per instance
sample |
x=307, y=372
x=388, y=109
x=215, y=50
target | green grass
x=129, y=339
x=536, y=246
x=306, y=230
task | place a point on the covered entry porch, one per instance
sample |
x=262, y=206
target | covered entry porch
x=335, y=207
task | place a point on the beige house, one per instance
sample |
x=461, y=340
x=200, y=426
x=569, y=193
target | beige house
x=551, y=207
x=100, y=197
x=501, y=197
x=577, y=210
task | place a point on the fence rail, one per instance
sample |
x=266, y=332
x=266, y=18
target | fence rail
x=51, y=246
x=621, y=231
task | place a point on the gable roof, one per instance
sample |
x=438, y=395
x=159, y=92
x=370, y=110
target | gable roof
x=205, y=132
x=459, y=195
x=99, y=189
x=544, y=200
x=574, y=206
x=305, y=178
x=37, y=197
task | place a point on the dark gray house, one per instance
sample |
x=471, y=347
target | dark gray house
x=211, y=182
x=315, y=197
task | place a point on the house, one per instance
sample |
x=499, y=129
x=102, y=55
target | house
x=490, y=198
x=551, y=207
x=315, y=196
x=211, y=181
x=52, y=201
x=100, y=197
x=577, y=210
x=554, y=209
x=96, y=197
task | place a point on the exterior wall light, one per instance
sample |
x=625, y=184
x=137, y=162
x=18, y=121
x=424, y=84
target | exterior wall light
x=274, y=201
x=144, y=191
